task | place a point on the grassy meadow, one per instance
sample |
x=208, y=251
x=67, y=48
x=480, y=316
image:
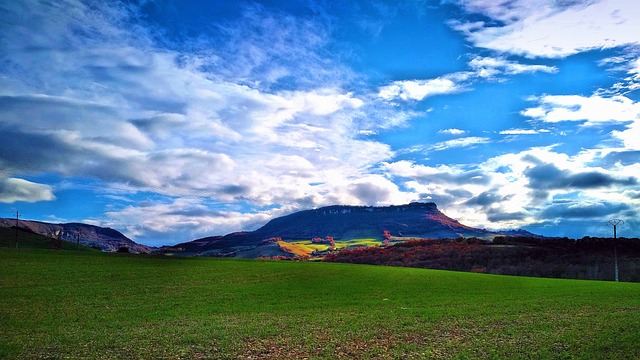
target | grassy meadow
x=73, y=304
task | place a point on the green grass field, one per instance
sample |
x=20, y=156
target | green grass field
x=66, y=304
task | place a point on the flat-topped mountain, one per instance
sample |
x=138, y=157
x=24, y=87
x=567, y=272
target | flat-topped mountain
x=342, y=222
x=106, y=239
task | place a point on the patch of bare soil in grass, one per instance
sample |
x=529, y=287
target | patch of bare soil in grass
x=318, y=346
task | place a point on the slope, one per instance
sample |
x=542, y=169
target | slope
x=25, y=239
x=106, y=239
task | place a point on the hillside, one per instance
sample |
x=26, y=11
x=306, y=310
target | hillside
x=97, y=237
x=27, y=239
x=83, y=305
x=342, y=223
x=351, y=222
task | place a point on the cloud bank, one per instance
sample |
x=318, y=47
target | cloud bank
x=265, y=113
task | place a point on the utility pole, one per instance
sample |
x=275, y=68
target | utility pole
x=615, y=223
x=17, y=223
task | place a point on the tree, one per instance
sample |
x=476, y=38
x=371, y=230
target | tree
x=386, y=236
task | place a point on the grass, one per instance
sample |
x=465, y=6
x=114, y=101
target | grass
x=66, y=304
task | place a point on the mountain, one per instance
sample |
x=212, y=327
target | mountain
x=106, y=239
x=342, y=222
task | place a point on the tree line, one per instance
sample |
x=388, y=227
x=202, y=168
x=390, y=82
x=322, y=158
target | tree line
x=586, y=258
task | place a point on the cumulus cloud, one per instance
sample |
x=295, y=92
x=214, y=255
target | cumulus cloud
x=591, y=110
x=442, y=174
x=630, y=137
x=263, y=119
x=14, y=189
x=468, y=193
x=377, y=190
x=548, y=28
x=420, y=89
x=183, y=219
x=269, y=118
x=452, y=131
x=119, y=109
x=519, y=189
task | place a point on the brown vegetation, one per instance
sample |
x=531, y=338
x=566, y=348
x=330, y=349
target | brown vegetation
x=586, y=258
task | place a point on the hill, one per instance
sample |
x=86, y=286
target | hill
x=106, y=239
x=27, y=239
x=339, y=222
x=84, y=305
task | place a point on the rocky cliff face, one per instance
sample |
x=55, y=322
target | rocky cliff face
x=105, y=239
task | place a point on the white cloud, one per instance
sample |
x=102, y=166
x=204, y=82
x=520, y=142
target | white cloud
x=629, y=63
x=548, y=28
x=460, y=142
x=221, y=126
x=519, y=189
x=482, y=67
x=452, y=131
x=225, y=125
x=419, y=89
x=377, y=190
x=592, y=110
x=182, y=219
x=119, y=109
x=630, y=137
x=522, y=132
x=489, y=67
x=14, y=189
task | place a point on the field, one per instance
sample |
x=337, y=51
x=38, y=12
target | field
x=70, y=304
x=307, y=247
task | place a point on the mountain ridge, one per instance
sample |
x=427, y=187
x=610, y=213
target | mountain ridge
x=340, y=222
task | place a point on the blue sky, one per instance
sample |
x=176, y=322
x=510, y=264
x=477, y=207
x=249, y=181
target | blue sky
x=174, y=120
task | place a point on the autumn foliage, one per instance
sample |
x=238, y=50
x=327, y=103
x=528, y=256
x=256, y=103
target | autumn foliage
x=328, y=239
x=587, y=258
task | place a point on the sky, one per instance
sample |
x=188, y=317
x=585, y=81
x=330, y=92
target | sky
x=175, y=120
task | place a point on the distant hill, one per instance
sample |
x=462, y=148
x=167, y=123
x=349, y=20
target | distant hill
x=342, y=222
x=26, y=239
x=105, y=239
